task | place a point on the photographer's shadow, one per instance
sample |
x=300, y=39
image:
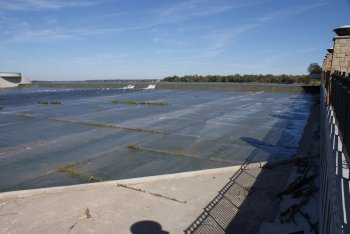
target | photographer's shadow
x=147, y=227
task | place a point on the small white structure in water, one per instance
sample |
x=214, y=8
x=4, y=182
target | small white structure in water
x=129, y=87
x=12, y=79
x=150, y=87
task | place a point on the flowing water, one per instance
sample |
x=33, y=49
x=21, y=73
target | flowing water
x=87, y=138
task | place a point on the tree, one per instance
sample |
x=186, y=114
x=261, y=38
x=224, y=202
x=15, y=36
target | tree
x=314, y=68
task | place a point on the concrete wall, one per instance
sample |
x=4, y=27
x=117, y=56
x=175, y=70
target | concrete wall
x=10, y=80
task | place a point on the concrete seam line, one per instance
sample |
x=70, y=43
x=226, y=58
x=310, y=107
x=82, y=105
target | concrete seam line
x=150, y=193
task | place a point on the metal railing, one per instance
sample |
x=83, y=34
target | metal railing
x=337, y=88
x=334, y=169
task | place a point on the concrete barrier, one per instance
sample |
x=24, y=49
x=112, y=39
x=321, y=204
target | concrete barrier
x=12, y=79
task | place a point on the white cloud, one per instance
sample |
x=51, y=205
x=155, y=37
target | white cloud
x=24, y=32
x=198, y=8
x=189, y=9
x=96, y=59
x=219, y=41
x=266, y=62
x=292, y=11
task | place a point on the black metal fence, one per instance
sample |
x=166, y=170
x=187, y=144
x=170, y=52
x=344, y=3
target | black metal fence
x=334, y=173
x=338, y=94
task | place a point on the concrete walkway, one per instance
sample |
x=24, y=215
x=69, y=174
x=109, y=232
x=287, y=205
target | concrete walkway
x=173, y=201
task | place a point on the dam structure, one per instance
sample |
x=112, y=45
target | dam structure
x=265, y=159
x=12, y=79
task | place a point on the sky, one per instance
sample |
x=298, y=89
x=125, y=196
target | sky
x=152, y=39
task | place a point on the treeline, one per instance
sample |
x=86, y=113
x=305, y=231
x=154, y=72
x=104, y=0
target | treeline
x=277, y=79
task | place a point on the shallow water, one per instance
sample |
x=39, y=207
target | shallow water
x=195, y=130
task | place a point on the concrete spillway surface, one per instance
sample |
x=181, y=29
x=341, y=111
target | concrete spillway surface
x=87, y=138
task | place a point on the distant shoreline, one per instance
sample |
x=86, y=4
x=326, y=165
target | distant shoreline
x=224, y=86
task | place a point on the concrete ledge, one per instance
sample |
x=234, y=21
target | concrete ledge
x=31, y=192
x=132, y=181
x=11, y=80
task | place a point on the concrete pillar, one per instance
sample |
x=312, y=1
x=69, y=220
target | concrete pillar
x=324, y=63
x=341, y=50
x=328, y=59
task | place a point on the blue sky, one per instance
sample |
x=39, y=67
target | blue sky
x=129, y=39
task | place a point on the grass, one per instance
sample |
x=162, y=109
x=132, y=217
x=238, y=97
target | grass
x=56, y=103
x=53, y=103
x=135, y=147
x=144, y=130
x=124, y=102
x=129, y=102
x=96, y=124
x=220, y=160
x=69, y=169
x=24, y=115
x=86, y=123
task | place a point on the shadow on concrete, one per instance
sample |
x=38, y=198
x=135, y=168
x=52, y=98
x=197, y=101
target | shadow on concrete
x=249, y=198
x=258, y=144
x=147, y=227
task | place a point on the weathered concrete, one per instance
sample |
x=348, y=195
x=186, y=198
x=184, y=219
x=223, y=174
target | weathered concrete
x=173, y=201
x=113, y=209
x=12, y=79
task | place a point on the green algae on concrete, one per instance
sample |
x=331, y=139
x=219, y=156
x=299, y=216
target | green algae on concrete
x=130, y=102
x=96, y=124
x=53, y=103
x=70, y=170
x=24, y=115
x=213, y=159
